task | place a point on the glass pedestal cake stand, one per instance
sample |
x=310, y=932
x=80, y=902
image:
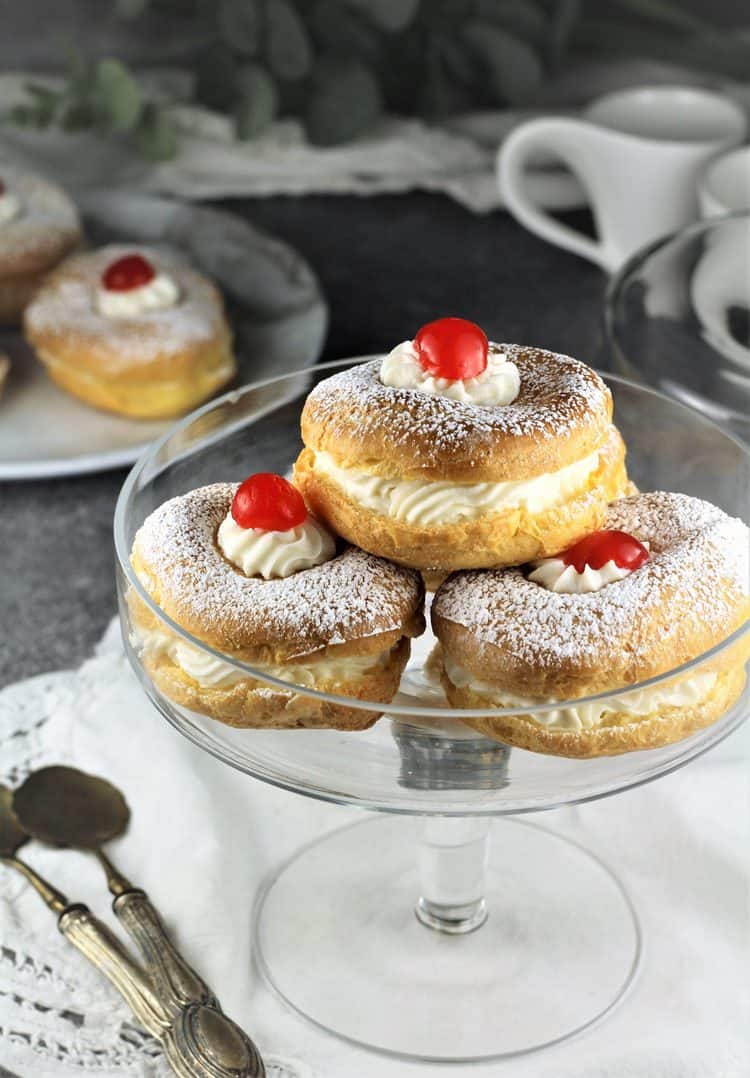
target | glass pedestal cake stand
x=517, y=943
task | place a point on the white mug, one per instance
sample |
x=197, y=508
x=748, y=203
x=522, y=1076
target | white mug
x=638, y=154
x=725, y=185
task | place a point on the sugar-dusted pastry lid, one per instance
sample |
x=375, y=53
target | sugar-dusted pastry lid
x=561, y=414
x=65, y=326
x=354, y=604
x=514, y=634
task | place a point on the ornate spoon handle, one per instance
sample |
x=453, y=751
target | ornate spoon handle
x=95, y=941
x=202, y=1040
x=198, y=1040
x=176, y=983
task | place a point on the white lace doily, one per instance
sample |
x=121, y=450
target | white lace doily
x=57, y=1015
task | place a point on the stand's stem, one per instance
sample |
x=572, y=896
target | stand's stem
x=452, y=862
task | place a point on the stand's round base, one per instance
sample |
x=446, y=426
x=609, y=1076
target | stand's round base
x=337, y=937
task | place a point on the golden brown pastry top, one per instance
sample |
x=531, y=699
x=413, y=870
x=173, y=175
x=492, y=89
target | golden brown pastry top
x=690, y=595
x=46, y=228
x=63, y=317
x=561, y=414
x=355, y=598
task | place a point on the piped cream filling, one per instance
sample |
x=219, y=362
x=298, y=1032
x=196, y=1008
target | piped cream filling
x=272, y=554
x=212, y=673
x=497, y=385
x=435, y=502
x=687, y=692
x=160, y=292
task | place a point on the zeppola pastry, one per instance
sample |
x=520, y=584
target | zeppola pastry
x=138, y=332
x=453, y=452
x=664, y=582
x=39, y=225
x=249, y=571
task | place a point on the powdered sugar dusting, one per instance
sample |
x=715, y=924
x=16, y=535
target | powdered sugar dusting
x=353, y=596
x=557, y=395
x=45, y=228
x=696, y=549
x=66, y=304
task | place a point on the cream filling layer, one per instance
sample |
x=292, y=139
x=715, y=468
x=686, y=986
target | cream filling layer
x=213, y=673
x=436, y=502
x=687, y=692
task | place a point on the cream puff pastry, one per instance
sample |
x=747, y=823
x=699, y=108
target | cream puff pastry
x=138, y=332
x=39, y=225
x=453, y=452
x=249, y=571
x=664, y=582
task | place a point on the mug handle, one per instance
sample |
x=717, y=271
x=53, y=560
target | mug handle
x=574, y=142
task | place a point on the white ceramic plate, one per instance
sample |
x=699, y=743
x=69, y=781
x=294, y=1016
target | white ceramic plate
x=274, y=303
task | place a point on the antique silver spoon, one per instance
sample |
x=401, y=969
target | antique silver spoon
x=85, y=931
x=63, y=806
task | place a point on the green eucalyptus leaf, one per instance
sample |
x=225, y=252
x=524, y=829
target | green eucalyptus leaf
x=44, y=104
x=458, y=60
x=564, y=18
x=345, y=100
x=216, y=77
x=259, y=101
x=240, y=24
x=118, y=95
x=78, y=116
x=336, y=28
x=43, y=94
x=156, y=135
x=81, y=74
x=522, y=17
x=454, y=11
x=130, y=9
x=513, y=70
x=21, y=115
x=388, y=15
x=669, y=14
x=288, y=48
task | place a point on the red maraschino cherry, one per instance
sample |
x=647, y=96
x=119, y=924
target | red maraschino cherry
x=452, y=348
x=600, y=547
x=127, y=273
x=268, y=502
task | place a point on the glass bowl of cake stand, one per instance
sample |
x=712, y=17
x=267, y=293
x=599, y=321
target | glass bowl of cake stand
x=450, y=834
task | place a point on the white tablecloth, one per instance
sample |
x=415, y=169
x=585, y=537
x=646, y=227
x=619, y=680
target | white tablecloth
x=202, y=836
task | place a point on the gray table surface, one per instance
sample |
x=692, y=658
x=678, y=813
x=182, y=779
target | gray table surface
x=387, y=265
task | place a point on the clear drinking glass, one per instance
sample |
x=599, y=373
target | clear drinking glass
x=678, y=318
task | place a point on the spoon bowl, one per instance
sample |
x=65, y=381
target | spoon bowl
x=63, y=806
x=12, y=834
